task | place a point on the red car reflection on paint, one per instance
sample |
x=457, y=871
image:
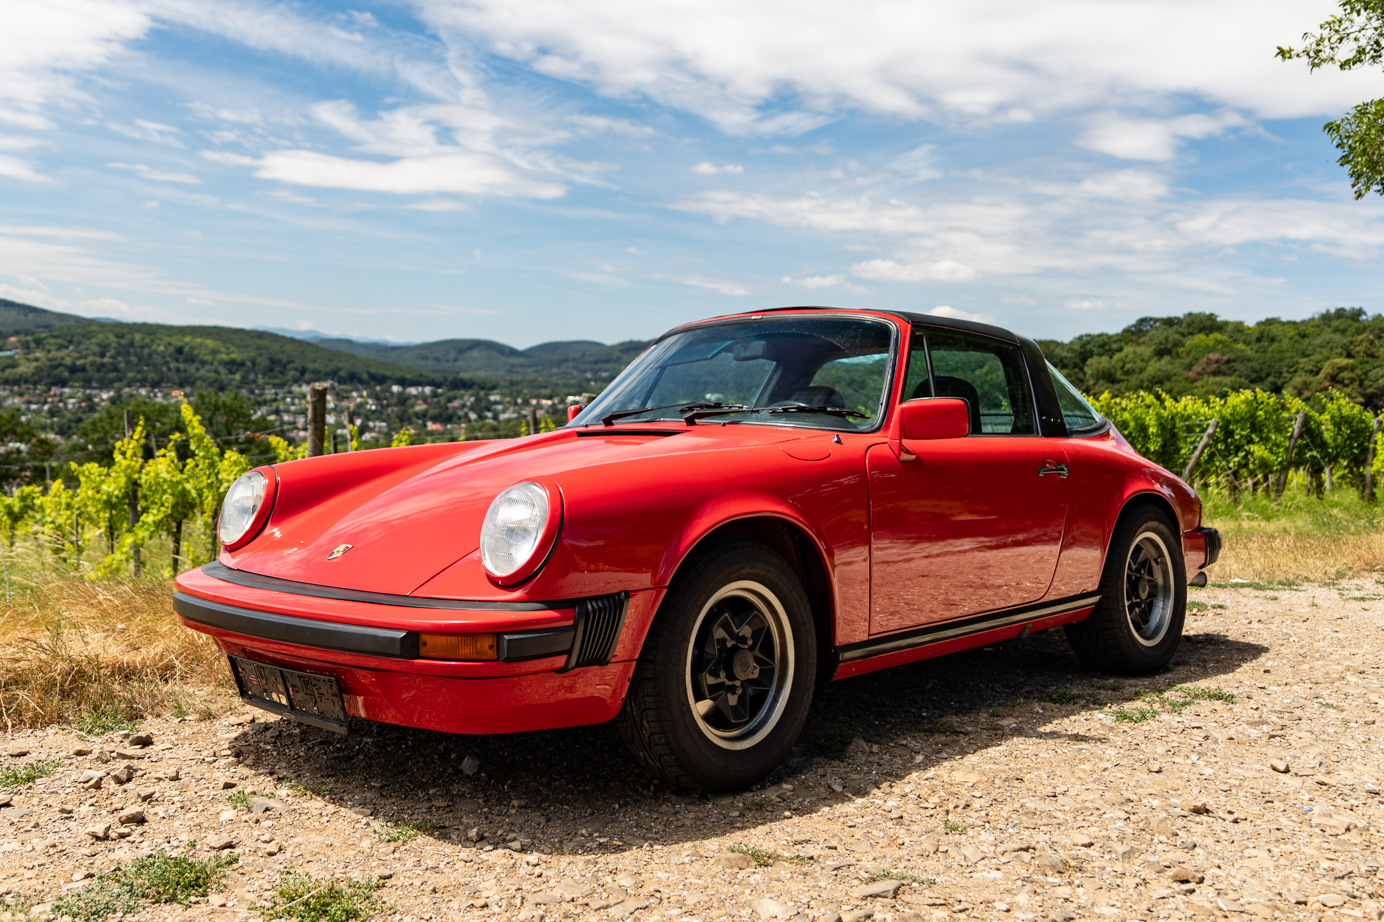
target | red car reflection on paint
x=759, y=503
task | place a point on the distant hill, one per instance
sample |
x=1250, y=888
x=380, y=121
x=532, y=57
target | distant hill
x=57, y=349
x=572, y=365
x=192, y=358
x=15, y=316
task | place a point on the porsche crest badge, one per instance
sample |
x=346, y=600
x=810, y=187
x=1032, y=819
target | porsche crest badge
x=339, y=550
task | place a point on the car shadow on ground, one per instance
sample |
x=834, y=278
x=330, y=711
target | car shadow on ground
x=579, y=791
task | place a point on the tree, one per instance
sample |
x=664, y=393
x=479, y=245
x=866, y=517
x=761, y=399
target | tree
x=1355, y=38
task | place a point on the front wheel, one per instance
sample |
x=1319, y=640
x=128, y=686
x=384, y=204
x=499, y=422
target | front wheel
x=1137, y=624
x=725, y=679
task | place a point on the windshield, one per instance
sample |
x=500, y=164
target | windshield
x=839, y=365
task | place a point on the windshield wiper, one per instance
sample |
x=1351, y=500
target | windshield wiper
x=691, y=418
x=818, y=408
x=610, y=418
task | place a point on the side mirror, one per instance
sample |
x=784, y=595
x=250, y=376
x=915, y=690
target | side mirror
x=933, y=418
x=574, y=411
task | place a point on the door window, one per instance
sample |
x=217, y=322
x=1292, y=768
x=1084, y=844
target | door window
x=989, y=375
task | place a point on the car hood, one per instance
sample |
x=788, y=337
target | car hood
x=407, y=514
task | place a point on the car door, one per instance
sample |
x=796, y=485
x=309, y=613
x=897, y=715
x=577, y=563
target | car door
x=967, y=525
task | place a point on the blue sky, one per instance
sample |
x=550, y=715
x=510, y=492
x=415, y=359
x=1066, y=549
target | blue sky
x=529, y=170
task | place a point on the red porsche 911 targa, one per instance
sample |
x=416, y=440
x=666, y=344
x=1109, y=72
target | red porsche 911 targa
x=759, y=503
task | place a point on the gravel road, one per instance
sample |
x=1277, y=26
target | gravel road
x=1003, y=783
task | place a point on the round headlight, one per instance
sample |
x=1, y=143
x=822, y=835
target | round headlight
x=238, y=509
x=514, y=526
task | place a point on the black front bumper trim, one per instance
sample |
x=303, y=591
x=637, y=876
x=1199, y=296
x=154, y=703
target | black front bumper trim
x=389, y=643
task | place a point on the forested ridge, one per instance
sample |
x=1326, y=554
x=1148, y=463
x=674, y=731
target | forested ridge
x=1199, y=354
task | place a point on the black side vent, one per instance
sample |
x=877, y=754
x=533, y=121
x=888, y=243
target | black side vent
x=598, y=623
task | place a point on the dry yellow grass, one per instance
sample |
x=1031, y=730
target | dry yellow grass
x=73, y=649
x=1271, y=555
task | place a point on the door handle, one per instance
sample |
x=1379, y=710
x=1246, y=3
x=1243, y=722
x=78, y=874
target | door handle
x=1059, y=469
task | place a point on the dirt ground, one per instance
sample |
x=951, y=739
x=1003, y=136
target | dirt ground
x=1002, y=783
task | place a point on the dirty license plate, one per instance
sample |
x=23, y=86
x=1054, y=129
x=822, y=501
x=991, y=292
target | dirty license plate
x=302, y=696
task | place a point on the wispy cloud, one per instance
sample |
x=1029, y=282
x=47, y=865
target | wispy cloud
x=707, y=168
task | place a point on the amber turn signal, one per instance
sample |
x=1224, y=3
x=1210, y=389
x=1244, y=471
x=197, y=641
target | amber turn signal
x=457, y=646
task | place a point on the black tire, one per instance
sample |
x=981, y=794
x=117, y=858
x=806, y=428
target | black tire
x=1137, y=624
x=736, y=610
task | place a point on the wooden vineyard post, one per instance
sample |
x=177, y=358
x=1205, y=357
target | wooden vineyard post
x=1288, y=461
x=317, y=419
x=1200, y=450
x=1369, y=461
x=533, y=421
x=134, y=498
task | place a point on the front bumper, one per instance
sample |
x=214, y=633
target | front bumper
x=561, y=664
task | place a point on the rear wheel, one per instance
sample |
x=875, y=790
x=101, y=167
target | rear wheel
x=1137, y=625
x=725, y=679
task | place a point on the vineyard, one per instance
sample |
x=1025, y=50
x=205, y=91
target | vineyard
x=103, y=520
x=1249, y=450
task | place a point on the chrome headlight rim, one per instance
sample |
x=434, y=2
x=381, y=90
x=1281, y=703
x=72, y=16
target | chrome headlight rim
x=259, y=486
x=544, y=538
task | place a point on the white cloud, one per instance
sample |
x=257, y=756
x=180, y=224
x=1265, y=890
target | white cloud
x=601, y=124
x=943, y=270
x=440, y=204
x=1152, y=139
x=14, y=168
x=707, y=168
x=718, y=285
x=153, y=175
x=462, y=172
x=812, y=282
x=946, y=310
x=918, y=164
x=736, y=64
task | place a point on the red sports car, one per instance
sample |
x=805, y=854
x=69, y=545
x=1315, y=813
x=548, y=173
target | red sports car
x=757, y=504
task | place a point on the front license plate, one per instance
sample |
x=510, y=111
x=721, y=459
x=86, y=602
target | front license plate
x=302, y=696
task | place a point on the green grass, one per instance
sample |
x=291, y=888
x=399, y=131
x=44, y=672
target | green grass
x=1330, y=706
x=19, y=903
x=1193, y=605
x=898, y=875
x=162, y=878
x=1063, y=696
x=1170, y=700
x=953, y=827
x=165, y=878
x=304, y=898
x=242, y=799
x=944, y=729
x=763, y=857
x=29, y=771
x=405, y=831
x=100, y=720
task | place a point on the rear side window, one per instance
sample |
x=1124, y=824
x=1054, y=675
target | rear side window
x=989, y=375
x=1075, y=410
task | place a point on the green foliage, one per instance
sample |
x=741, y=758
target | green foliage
x=898, y=875
x=1354, y=38
x=953, y=827
x=164, y=878
x=241, y=799
x=160, y=878
x=100, y=720
x=762, y=857
x=401, y=438
x=29, y=771
x=95, y=902
x=304, y=898
x=1199, y=354
x=1250, y=444
x=404, y=832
